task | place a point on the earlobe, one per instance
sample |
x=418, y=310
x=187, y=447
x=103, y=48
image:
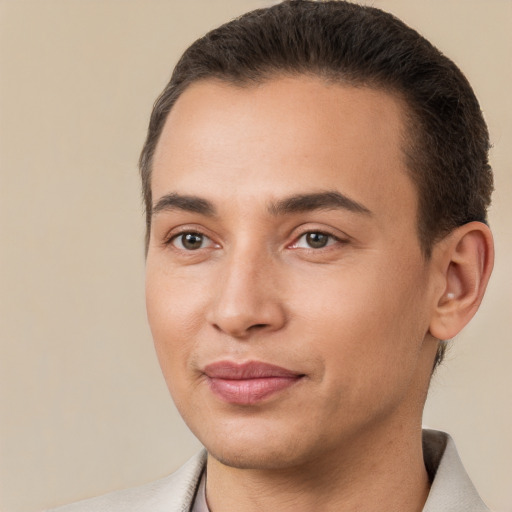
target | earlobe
x=465, y=260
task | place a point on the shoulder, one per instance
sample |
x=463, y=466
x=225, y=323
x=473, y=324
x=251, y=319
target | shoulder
x=173, y=493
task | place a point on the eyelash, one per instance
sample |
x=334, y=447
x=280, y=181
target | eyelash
x=171, y=239
x=331, y=240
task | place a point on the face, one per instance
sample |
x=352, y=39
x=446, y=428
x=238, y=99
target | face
x=287, y=293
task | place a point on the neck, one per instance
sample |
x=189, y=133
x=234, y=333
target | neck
x=372, y=473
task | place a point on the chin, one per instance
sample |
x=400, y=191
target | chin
x=257, y=457
x=259, y=448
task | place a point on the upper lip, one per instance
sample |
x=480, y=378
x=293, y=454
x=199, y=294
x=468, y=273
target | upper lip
x=248, y=370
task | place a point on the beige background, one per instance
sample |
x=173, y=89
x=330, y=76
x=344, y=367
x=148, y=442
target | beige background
x=83, y=408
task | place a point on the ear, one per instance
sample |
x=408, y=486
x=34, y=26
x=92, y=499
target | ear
x=464, y=260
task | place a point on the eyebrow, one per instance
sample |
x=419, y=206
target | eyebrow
x=186, y=203
x=299, y=203
x=331, y=200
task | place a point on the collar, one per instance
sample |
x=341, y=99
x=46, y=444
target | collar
x=451, y=489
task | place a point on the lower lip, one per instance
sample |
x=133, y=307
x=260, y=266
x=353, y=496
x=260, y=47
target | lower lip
x=249, y=391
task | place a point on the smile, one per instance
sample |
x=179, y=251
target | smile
x=248, y=383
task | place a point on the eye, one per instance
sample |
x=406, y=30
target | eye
x=191, y=241
x=314, y=240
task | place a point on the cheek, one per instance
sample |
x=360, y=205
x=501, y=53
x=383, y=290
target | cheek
x=363, y=318
x=174, y=299
x=175, y=315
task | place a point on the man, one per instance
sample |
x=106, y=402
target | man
x=316, y=183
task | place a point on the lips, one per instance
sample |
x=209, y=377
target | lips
x=248, y=383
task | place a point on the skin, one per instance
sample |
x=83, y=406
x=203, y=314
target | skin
x=357, y=318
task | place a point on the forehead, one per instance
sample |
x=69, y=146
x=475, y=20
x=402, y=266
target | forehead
x=287, y=135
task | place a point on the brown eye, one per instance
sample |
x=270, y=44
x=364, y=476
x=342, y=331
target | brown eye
x=317, y=240
x=189, y=241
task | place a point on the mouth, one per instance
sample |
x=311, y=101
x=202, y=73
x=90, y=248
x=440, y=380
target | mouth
x=248, y=383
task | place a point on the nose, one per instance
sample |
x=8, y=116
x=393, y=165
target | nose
x=247, y=298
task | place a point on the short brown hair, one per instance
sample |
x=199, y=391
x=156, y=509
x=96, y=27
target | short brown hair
x=447, y=142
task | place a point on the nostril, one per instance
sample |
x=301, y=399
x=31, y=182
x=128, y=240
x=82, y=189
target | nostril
x=257, y=327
